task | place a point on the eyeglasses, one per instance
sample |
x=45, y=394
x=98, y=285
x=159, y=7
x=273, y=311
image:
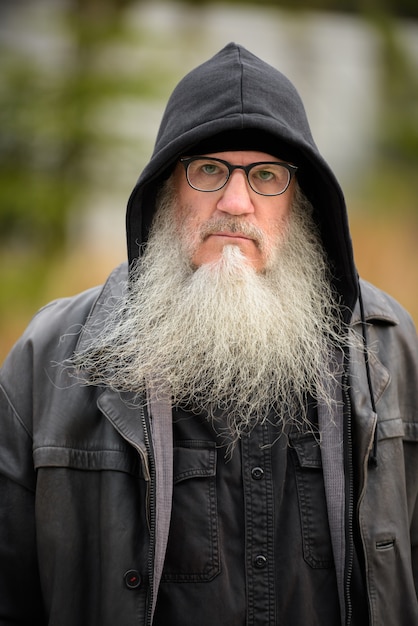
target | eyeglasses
x=270, y=178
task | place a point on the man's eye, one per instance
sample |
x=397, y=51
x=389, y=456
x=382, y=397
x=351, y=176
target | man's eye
x=210, y=169
x=264, y=175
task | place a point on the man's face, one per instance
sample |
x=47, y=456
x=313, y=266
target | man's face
x=212, y=220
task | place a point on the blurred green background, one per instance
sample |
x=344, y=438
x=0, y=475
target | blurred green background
x=82, y=90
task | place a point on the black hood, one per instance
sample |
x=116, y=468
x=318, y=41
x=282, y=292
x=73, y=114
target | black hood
x=232, y=91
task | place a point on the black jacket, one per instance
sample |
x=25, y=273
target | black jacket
x=77, y=465
x=76, y=473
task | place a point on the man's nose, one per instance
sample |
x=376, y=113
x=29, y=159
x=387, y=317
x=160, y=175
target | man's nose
x=236, y=196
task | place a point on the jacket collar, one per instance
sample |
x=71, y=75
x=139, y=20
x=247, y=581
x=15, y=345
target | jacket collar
x=377, y=306
x=122, y=409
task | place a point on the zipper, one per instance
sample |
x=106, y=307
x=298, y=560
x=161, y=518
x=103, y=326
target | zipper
x=349, y=501
x=150, y=515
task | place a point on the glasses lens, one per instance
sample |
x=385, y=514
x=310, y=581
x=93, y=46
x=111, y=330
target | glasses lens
x=207, y=174
x=269, y=179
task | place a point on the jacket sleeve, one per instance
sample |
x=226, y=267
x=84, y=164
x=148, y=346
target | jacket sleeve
x=23, y=389
x=414, y=517
x=20, y=596
x=408, y=392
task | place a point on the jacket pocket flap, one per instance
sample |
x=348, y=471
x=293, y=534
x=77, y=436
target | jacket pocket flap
x=194, y=459
x=308, y=450
x=390, y=428
x=116, y=460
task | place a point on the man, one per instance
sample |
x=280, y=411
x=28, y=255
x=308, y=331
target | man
x=227, y=433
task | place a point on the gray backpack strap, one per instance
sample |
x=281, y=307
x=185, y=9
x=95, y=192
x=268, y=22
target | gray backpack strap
x=162, y=435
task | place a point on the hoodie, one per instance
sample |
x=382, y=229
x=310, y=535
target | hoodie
x=236, y=91
x=238, y=98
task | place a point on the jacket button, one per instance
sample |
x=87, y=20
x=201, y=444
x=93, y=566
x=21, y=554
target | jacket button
x=260, y=561
x=257, y=473
x=132, y=579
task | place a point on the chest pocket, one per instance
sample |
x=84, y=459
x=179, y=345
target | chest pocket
x=316, y=538
x=193, y=546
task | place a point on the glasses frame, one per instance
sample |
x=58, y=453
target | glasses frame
x=186, y=161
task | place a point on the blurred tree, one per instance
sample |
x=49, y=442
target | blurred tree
x=392, y=179
x=48, y=141
x=44, y=116
x=399, y=8
x=400, y=110
x=47, y=136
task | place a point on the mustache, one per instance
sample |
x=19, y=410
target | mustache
x=233, y=225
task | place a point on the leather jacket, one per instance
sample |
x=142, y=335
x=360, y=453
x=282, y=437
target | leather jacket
x=77, y=516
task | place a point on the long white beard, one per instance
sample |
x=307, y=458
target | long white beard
x=230, y=342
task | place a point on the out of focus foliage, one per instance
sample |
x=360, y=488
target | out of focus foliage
x=392, y=180
x=400, y=110
x=398, y=8
x=48, y=142
x=45, y=118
